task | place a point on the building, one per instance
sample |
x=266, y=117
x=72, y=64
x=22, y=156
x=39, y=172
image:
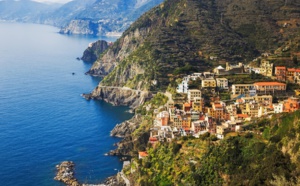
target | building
x=269, y=87
x=221, y=131
x=235, y=69
x=278, y=108
x=183, y=87
x=198, y=126
x=186, y=123
x=177, y=121
x=222, y=83
x=291, y=104
x=280, y=73
x=217, y=110
x=266, y=68
x=193, y=93
x=198, y=104
x=162, y=119
x=219, y=70
x=293, y=75
x=246, y=89
x=208, y=83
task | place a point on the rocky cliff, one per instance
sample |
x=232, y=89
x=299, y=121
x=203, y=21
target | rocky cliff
x=127, y=127
x=94, y=50
x=118, y=52
x=120, y=96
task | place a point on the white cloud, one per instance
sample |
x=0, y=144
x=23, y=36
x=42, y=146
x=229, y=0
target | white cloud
x=53, y=1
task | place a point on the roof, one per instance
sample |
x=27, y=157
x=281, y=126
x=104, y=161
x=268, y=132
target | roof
x=218, y=105
x=187, y=105
x=220, y=67
x=268, y=83
x=280, y=67
x=152, y=139
x=143, y=154
x=242, y=115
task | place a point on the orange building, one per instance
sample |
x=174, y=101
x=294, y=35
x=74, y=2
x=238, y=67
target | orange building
x=217, y=111
x=269, y=87
x=291, y=104
x=187, y=107
x=186, y=123
x=280, y=73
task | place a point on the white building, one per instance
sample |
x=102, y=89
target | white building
x=222, y=83
x=183, y=87
x=278, y=108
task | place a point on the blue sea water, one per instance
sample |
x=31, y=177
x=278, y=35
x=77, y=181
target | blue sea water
x=43, y=118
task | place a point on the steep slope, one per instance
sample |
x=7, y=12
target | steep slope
x=268, y=155
x=179, y=36
x=94, y=50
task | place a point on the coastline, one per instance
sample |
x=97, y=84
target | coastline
x=66, y=171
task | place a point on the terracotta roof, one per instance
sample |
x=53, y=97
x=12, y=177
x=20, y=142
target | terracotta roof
x=143, y=154
x=240, y=100
x=202, y=117
x=218, y=105
x=280, y=67
x=153, y=139
x=268, y=83
x=242, y=115
x=187, y=105
x=291, y=69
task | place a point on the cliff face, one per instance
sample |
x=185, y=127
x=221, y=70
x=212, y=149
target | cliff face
x=94, y=51
x=120, y=96
x=118, y=52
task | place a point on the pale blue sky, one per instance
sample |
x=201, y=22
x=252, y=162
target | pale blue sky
x=53, y=1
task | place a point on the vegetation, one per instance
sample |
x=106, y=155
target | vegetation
x=271, y=158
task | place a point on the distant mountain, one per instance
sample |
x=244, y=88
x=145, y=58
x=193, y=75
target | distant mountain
x=25, y=10
x=90, y=17
x=100, y=17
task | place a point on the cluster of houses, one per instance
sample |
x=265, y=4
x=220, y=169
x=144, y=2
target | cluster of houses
x=248, y=102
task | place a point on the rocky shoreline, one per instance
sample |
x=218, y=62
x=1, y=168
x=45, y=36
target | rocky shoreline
x=119, y=96
x=66, y=175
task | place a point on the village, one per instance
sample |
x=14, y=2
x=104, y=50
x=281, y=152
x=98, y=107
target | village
x=196, y=111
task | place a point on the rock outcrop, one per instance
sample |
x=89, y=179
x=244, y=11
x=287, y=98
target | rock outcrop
x=65, y=173
x=127, y=127
x=119, y=96
x=94, y=50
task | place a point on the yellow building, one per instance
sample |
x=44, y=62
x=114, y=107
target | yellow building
x=198, y=104
x=266, y=68
x=238, y=89
x=208, y=83
x=193, y=93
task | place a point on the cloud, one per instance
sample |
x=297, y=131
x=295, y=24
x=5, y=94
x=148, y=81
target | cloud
x=53, y=1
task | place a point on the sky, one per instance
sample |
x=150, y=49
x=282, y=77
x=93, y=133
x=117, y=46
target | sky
x=53, y=1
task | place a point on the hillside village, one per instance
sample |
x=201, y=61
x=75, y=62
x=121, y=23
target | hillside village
x=199, y=105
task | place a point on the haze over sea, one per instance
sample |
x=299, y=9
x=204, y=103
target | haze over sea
x=43, y=118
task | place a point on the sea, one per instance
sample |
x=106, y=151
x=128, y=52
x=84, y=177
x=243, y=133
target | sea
x=43, y=118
